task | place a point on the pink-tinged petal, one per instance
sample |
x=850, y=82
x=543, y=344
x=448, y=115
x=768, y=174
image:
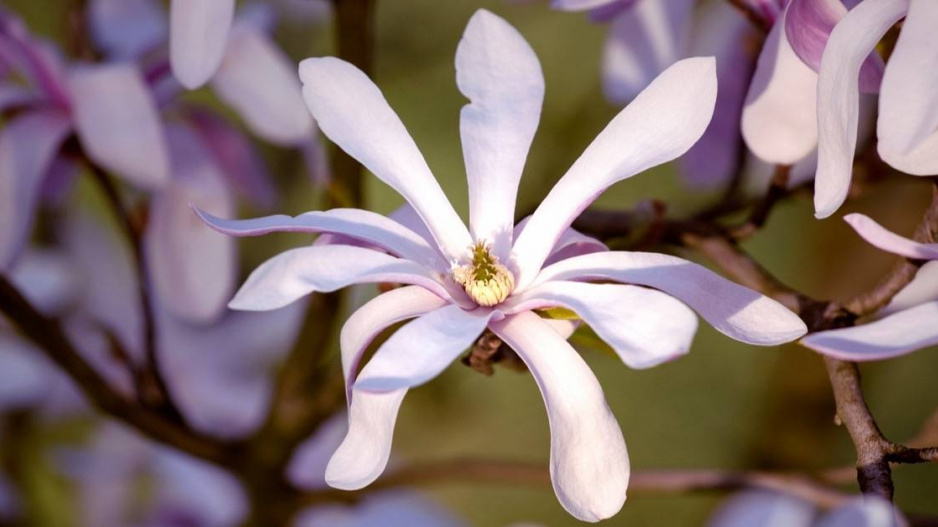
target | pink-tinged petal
x=198, y=38
x=892, y=336
x=661, y=123
x=923, y=288
x=571, y=243
x=118, y=123
x=763, y=508
x=838, y=96
x=880, y=237
x=732, y=309
x=779, y=120
x=808, y=25
x=644, y=40
x=193, y=269
x=362, y=225
x=589, y=464
x=908, y=114
x=645, y=327
x=126, y=29
x=500, y=75
x=299, y=272
x=580, y=5
x=865, y=511
x=352, y=112
x=259, y=81
x=28, y=145
x=443, y=334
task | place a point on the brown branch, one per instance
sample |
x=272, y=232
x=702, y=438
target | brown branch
x=778, y=189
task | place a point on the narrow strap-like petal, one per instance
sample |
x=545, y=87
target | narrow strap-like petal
x=118, y=123
x=662, y=123
x=500, y=75
x=732, y=309
x=589, y=464
x=352, y=112
x=645, y=327
x=880, y=237
x=581, y=5
x=893, y=336
x=838, y=96
x=198, y=37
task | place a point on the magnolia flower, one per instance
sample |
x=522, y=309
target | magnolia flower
x=495, y=275
x=763, y=508
x=911, y=320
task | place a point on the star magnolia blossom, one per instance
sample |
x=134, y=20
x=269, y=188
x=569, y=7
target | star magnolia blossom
x=461, y=281
x=908, y=325
x=763, y=508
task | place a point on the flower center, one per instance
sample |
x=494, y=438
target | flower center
x=485, y=280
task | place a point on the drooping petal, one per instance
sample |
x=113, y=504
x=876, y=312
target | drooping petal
x=259, y=81
x=28, y=145
x=866, y=511
x=838, y=96
x=198, y=38
x=126, y=29
x=732, y=309
x=644, y=39
x=645, y=327
x=193, y=268
x=779, y=121
x=118, y=124
x=299, y=272
x=879, y=236
x=661, y=123
x=500, y=75
x=352, y=112
x=589, y=464
x=763, y=508
x=892, y=336
x=908, y=118
x=443, y=334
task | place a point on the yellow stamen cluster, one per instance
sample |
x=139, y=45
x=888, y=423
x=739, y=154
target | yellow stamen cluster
x=485, y=280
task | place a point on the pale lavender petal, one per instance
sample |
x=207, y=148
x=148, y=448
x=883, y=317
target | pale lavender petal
x=838, y=96
x=880, y=237
x=732, y=309
x=259, y=81
x=307, y=468
x=196, y=490
x=662, y=123
x=645, y=327
x=15, y=96
x=118, y=124
x=923, y=288
x=580, y=5
x=394, y=508
x=866, y=511
x=892, y=336
x=198, y=38
x=27, y=146
x=500, y=75
x=316, y=159
x=351, y=111
x=36, y=60
x=571, y=243
x=48, y=279
x=589, y=464
x=763, y=508
x=25, y=374
x=126, y=29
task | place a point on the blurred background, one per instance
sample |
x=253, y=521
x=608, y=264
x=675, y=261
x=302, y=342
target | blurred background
x=725, y=405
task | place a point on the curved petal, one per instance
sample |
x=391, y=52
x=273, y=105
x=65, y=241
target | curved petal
x=732, y=309
x=298, y=272
x=259, y=81
x=589, y=464
x=363, y=225
x=28, y=145
x=443, y=334
x=838, y=97
x=923, y=288
x=645, y=327
x=500, y=75
x=866, y=511
x=780, y=114
x=661, y=123
x=880, y=237
x=763, y=508
x=126, y=29
x=892, y=336
x=571, y=243
x=581, y=5
x=908, y=115
x=118, y=123
x=198, y=37
x=352, y=112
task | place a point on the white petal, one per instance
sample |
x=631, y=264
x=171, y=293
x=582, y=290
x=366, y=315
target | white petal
x=732, y=309
x=838, y=96
x=645, y=327
x=500, y=75
x=880, y=237
x=893, y=336
x=352, y=112
x=118, y=122
x=589, y=464
x=923, y=288
x=198, y=37
x=259, y=81
x=661, y=123
x=866, y=511
x=764, y=509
